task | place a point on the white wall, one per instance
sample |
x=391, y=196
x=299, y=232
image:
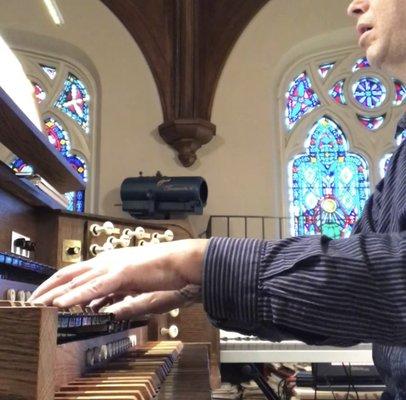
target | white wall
x=242, y=163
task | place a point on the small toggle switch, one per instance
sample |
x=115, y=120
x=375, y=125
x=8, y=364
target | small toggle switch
x=25, y=244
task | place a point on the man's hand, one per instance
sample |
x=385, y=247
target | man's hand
x=165, y=276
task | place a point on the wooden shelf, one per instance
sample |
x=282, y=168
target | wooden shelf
x=23, y=138
x=25, y=190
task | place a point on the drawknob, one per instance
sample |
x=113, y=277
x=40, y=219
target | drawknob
x=139, y=233
x=107, y=228
x=95, y=249
x=174, y=313
x=167, y=236
x=123, y=241
x=172, y=331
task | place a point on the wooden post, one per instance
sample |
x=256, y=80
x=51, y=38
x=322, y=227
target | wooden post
x=27, y=352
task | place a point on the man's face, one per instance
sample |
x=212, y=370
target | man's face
x=381, y=26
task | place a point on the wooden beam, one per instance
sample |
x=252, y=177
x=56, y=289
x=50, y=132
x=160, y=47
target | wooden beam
x=186, y=44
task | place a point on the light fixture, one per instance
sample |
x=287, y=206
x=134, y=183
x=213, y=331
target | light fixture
x=54, y=12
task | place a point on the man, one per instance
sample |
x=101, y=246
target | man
x=315, y=289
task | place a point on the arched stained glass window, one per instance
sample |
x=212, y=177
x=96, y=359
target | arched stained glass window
x=369, y=92
x=74, y=101
x=371, y=123
x=57, y=136
x=300, y=99
x=337, y=92
x=68, y=120
x=328, y=184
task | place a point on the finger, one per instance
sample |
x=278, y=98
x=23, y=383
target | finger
x=98, y=287
x=112, y=298
x=97, y=304
x=147, y=303
x=48, y=297
x=61, y=277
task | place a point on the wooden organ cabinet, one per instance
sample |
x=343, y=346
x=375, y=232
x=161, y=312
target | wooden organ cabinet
x=77, y=354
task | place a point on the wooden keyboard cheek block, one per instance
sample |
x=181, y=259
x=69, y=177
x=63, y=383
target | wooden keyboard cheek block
x=27, y=352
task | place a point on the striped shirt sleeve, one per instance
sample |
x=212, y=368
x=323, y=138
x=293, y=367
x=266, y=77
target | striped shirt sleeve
x=318, y=290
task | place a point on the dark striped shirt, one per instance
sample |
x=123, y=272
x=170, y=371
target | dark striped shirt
x=323, y=291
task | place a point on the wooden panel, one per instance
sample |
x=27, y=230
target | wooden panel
x=27, y=352
x=22, y=137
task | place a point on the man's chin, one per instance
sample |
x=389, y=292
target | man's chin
x=374, y=58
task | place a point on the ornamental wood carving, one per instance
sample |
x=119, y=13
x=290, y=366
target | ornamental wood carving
x=186, y=44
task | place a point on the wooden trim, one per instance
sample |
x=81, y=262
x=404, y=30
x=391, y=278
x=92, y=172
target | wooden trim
x=186, y=44
x=23, y=138
x=25, y=190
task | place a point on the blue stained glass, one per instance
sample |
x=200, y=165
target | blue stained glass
x=369, y=92
x=400, y=92
x=76, y=200
x=328, y=184
x=324, y=69
x=361, y=63
x=19, y=166
x=372, y=123
x=300, y=100
x=337, y=92
x=57, y=136
x=74, y=101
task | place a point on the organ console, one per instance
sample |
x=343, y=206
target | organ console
x=76, y=353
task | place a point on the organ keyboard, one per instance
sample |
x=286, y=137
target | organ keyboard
x=236, y=348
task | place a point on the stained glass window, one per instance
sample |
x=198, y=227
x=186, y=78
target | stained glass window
x=328, y=184
x=77, y=199
x=50, y=71
x=369, y=92
x=400, y=135
x=324, y=69
x=383, y=164
x=371, y=123
x=74, y=101
x=337, y=92
x=57, y=135
x=400, y=92
x=360, y=64
x=39, y=93
x=300, y=100
x=19, y=166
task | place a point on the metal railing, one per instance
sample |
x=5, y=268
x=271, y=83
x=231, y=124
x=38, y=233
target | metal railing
x=247, y=226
